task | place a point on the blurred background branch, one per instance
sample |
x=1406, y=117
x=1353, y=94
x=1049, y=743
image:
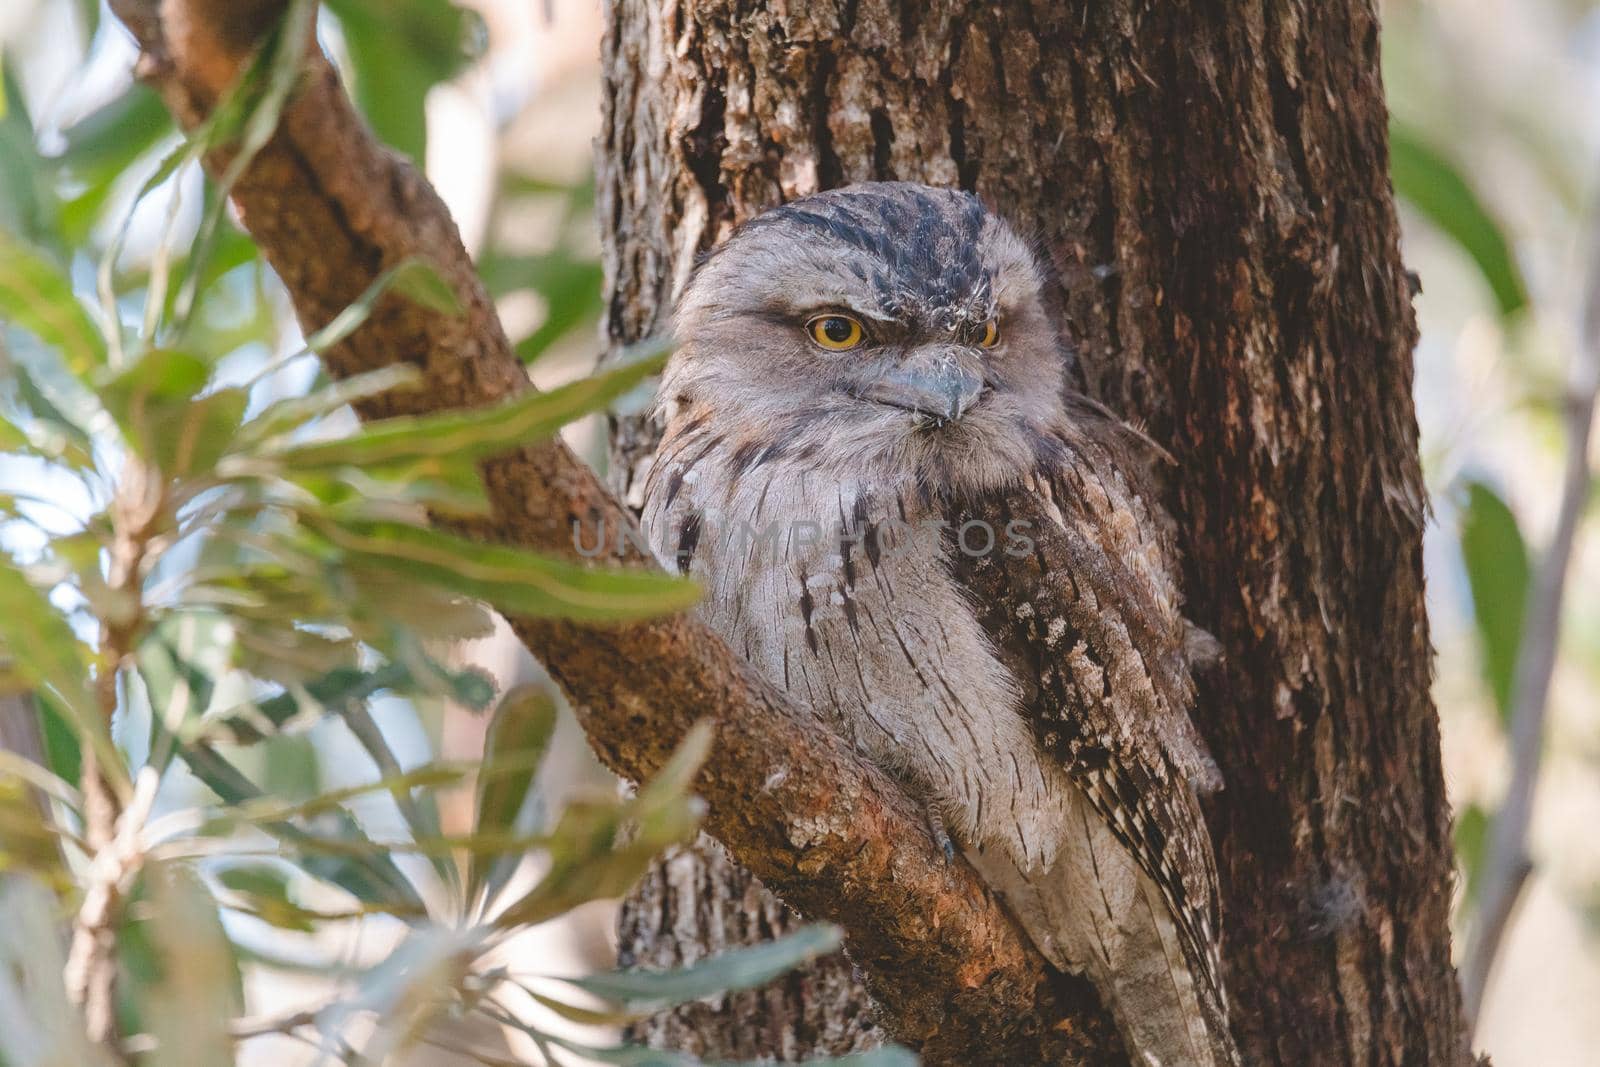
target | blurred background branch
x=1508, y=864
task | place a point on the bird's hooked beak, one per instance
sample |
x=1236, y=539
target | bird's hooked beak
x=941, y=388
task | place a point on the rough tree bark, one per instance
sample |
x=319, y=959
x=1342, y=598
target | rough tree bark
x=1210, y=184
x=331, y=208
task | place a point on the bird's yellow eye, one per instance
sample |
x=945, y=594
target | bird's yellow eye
x=991, y=333
x=835, y=332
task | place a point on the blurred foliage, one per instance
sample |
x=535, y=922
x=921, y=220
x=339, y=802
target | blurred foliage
x=1435, y=186
x=201, y=571
x=1492, y=150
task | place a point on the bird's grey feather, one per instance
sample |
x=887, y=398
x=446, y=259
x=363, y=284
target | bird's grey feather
x=1036, y=700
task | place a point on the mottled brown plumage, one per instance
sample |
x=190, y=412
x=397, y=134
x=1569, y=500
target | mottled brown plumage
x=904, y=517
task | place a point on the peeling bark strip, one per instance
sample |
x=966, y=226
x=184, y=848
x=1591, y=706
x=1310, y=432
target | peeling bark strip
x=331, y=208
x=1210, y=184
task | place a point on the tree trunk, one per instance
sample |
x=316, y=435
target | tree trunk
x=1210, y=184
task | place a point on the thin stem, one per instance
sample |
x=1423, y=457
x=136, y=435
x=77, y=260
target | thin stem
x=113, y=834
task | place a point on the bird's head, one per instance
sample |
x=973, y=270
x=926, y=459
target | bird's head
x=889, y=328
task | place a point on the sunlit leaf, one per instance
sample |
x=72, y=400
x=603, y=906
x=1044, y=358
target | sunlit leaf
x=481, y=431
x=292, y=412
x=1499, y=572
x=1436, y=187
x=515, y=581
x=28, y=841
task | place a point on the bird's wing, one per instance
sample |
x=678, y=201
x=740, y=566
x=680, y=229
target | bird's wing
x=1079, y=600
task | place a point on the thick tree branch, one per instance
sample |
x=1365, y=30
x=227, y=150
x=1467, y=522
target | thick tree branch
x=331, y=208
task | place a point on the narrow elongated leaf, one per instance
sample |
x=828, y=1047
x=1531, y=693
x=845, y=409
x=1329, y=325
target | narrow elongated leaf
x=420, y=814
x=742, y=968
x=370, y=876
x=36, y=295
x=253, y=107
x=292, y=412
x=400, y=49
x=518, y=736
x=28, y=203
x=1436, y=187
x=414, y=277
x=199, y=990
x=1499, y=572
x=479, y=432
x=515, y=581
x=591, y=859
x=101, y=146
x=344, y=687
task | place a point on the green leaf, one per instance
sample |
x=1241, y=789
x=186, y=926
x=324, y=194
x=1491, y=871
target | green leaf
x=370, y=875
x=399, y=50
x=478, y=432
x=28, y=203
x=518, y=736
x=742, y=968
x=421, y=816
x=62, y=753
x=105, y=145
x=1436, y=187
x=199, y=990
x=46, y=652
x=414, y=278
x=155, y=400
x=179, y=662
x=36, y=295
x=1499, y=572
x=515, y=581
x=1472, y=836
x=293, y=412
x=590, y=856
x=29, y=840
x=253, y=107
x=262, y=891
x=101, y=146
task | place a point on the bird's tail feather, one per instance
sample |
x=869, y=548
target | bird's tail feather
x=1093, y=911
